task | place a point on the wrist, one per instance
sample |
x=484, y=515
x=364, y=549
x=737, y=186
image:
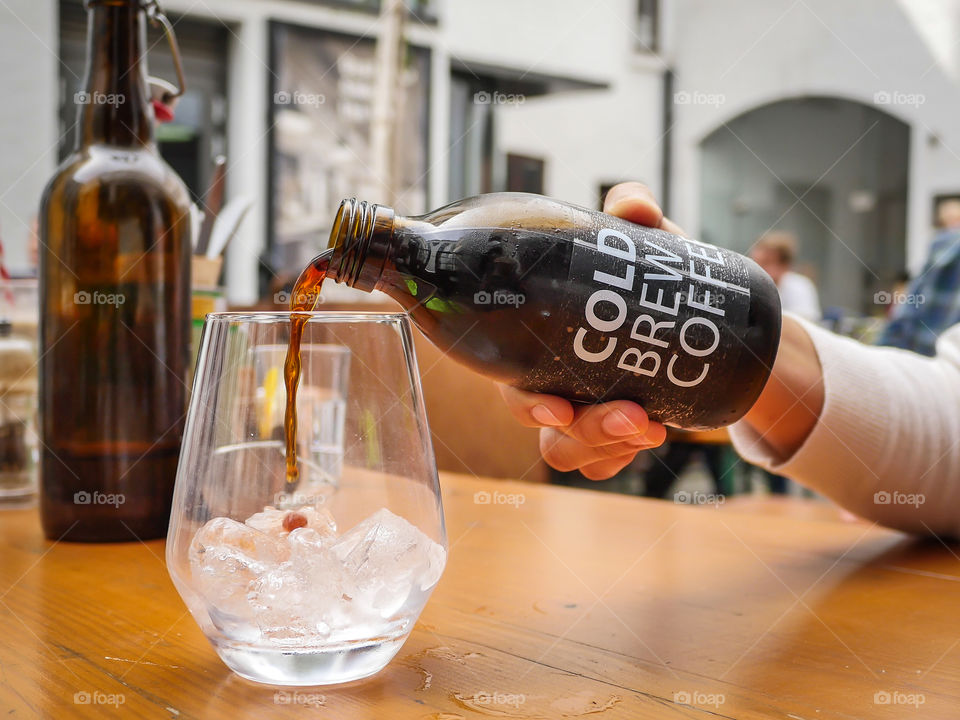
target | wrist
x=791, y=402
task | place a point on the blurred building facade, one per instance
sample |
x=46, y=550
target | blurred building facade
x=832, y=119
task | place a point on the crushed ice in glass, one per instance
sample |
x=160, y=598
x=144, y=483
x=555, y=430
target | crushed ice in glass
x=310, y=585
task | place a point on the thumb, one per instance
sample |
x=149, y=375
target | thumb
x=633, y=201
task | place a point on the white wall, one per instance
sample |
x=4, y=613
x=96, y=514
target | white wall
x=560, y=37
x=773, y=49
x=28, y=118
x=587, y=137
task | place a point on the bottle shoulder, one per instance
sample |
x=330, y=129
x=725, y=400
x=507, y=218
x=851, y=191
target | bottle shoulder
x=104, y=167
x=511, y=210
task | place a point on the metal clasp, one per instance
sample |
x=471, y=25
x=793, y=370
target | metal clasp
x=167, y=91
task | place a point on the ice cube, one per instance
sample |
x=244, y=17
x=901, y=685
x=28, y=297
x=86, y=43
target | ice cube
x=293, y=602
x=385, y=557
x=271, y=520
x=226, y=558
x=225, y=548
x=287, y=607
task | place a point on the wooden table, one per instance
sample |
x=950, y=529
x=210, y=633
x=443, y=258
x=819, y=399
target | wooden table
x=565, y=603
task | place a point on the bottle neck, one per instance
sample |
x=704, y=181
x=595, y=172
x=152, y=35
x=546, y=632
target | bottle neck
x=114, y=107
x=361, y=238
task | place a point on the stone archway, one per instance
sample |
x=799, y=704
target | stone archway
x=831, y=170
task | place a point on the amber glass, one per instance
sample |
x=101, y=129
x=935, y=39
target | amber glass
x=115, y=304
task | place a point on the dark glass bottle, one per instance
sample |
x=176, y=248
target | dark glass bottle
x=115, y=304
x=554, y=298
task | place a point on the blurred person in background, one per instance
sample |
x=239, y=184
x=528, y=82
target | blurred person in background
x=898, y=292
x=874, y=429
x=931, y=301
x=775, y=252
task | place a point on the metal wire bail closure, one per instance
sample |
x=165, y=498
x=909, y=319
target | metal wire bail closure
x=169, y=92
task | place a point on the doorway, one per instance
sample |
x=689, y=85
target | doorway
x=833, y=172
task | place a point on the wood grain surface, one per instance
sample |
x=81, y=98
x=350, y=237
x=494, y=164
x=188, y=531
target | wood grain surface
x=556, y=603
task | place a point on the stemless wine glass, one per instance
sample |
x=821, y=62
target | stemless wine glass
x=319, y=581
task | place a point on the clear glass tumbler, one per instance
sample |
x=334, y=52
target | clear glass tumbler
x=322, y=581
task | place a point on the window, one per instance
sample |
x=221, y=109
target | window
x=322, y=87
x=524, y=174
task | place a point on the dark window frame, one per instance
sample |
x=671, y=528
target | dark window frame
x=648, y=9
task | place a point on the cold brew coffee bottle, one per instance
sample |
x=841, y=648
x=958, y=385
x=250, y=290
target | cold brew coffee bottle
x=554, y=298
x=115, y=304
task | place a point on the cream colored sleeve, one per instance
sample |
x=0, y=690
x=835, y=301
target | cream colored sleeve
x=887, y=445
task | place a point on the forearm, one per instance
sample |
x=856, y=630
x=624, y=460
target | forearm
x=874, y=429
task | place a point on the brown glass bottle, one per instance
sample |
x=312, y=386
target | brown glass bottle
x=115, y=304
x=554, y=298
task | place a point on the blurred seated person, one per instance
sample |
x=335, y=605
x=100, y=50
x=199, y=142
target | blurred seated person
x=934, y=300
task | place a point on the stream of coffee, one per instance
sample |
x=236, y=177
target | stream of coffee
x=303, y=299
